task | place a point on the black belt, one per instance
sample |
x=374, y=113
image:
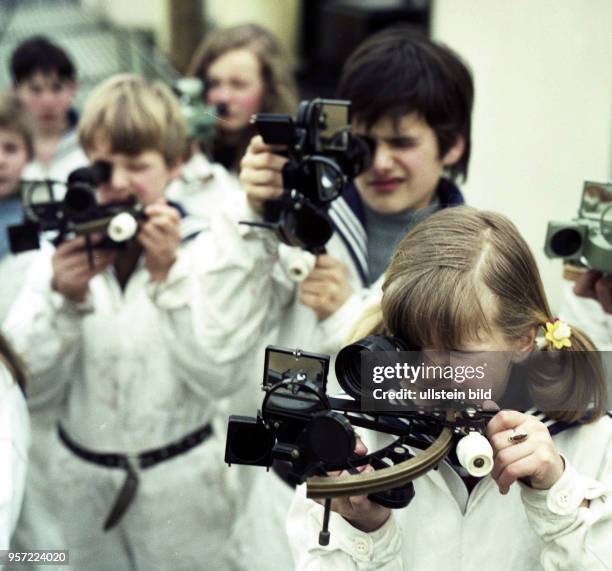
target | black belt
x=132, y=464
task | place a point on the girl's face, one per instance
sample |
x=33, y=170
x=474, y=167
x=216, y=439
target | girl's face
x=234, y=79
x=485, y=364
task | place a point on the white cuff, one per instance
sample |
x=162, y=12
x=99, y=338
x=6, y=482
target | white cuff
x=64, y=306
x=337, y=326
x=380, y=545
x=554, y=511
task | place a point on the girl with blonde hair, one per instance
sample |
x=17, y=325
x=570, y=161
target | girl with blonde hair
x=465, y=280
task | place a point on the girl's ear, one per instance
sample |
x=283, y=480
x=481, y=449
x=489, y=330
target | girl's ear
x=525, y=346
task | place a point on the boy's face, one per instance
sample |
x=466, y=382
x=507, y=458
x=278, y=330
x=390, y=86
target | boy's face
x=143, y=176
x=406, y=167
x=13, y=157
x=47, y=97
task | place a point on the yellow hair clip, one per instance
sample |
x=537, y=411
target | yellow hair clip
x=558, y=334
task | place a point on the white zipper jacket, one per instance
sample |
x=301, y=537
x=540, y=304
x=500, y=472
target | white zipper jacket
x=134, y=371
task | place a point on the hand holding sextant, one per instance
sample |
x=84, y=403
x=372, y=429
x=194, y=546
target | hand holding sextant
x=300, y=424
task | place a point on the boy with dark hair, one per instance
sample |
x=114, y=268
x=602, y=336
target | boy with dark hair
x=413, y=98
x=44, y=79
x=38, y=54
x=442, y=96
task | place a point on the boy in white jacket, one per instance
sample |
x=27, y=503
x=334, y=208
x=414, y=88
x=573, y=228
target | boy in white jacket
x=136, y=479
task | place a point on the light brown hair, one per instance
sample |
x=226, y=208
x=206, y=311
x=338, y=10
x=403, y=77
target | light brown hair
x=461, y=272
x=134, y=115
x=280, y=93
x=14, y=117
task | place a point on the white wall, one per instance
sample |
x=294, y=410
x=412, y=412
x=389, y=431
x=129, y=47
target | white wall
x=543, y=113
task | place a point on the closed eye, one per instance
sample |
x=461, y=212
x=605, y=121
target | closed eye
x=402, y=142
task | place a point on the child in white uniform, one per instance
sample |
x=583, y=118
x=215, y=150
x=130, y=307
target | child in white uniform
x=45, y=80
x=139, y=466
x=16, y=149
x=466, y=281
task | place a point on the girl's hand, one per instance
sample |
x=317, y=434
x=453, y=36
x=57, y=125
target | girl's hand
x=359, y=511
x=530, y=454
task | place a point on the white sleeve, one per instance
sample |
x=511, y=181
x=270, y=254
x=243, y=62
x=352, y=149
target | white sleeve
x=218, y=300
x=45, y=329
x=574, y=537
x=349, y=549
x=336, y=328
x=14, y=442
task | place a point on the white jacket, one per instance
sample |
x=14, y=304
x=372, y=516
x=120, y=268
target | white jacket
x=444, y=527
x=259, y=262
x=203, y=186
x=68, y=157
x=251, y=266
x=137, y=370
x=14, y=442
x=148, y=331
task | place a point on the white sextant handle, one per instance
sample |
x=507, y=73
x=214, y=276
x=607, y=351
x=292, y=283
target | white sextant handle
x=475, y=454
x=299, y=263
x=122, y=227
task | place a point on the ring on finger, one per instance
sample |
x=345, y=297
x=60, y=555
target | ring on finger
x=517, y=435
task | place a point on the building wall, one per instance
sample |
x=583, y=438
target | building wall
x=543, y=113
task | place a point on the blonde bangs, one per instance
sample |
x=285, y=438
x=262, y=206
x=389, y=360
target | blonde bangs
x=133, y=116
x=447, y=301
